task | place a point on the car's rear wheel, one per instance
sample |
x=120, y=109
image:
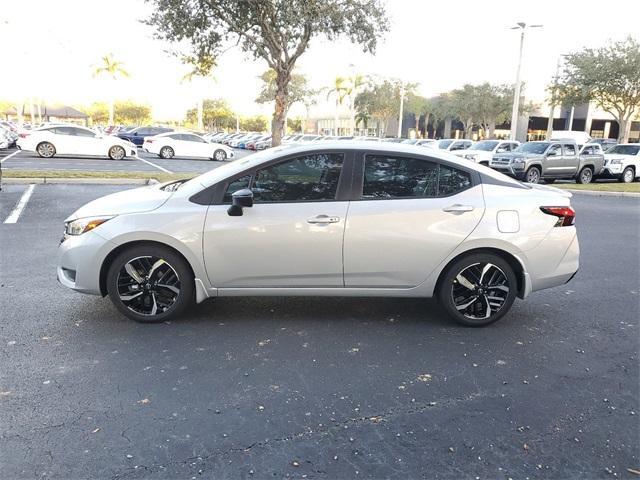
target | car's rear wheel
x=150, y=283
x=220, y=155
x=585, y=175
x=46, y=150
x=117, y=152
x=627, y=175
x=167, y=152
x=533, y=175
x=478, y=289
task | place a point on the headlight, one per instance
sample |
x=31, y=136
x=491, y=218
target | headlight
x=84, y=225
x=617, y=161
x=470, y=156
x=518, y=160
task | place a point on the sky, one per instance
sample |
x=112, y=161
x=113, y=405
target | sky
x=440, y=45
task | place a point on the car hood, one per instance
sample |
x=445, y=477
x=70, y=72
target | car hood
x=512, y=155
x=136, y=200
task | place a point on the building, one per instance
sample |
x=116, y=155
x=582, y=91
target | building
x=48, y=113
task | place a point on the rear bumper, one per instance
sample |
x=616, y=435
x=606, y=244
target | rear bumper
x=555, y=261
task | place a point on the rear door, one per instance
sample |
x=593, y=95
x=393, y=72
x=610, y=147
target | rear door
x=570, y=160
x=408, y=215
x=197, y=146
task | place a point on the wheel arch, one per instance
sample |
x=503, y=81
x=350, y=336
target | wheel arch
x=104, y=268
x=510, y=258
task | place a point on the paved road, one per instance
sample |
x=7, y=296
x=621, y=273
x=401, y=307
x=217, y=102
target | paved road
x=144, y=163
x=320, y=387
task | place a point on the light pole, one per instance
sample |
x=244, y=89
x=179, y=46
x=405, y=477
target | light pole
x=401, y=108
x=516, y=94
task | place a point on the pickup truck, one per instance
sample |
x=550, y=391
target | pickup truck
x=622, y=162
x=550, y=161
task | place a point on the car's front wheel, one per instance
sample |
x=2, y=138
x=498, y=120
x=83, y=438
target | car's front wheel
x=478, y=289
x=150, y=283
x=220, y=155
x=117, y=152
x=46, y=150
x=533, y=175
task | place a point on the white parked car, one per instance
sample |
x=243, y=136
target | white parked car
x=299, y=220
x=74, y=140
x=482, y=151
x=451, y=144
x=184, y=144
x=622, y=162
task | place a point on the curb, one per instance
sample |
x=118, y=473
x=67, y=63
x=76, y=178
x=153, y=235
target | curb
x=90, y=181
x=596, y=193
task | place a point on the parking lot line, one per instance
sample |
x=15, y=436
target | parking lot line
x=154, y=165
x=17, y=210
x=10, y=155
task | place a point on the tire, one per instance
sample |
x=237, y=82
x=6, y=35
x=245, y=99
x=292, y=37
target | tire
x=532, y=175
x=167, y=152
x=219, y=155
x=46, y=150
x=147, y=302
x=117, y=152
x=627, y=176
x=549, y=180
x=585, y=176
x=499, y=280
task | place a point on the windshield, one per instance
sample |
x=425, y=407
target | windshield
x=625, y=149
x=533, y=147
x=444, y=144
x=484, y=145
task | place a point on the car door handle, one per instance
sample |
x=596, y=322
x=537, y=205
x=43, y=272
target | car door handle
x=458, y=208
x=323, y=219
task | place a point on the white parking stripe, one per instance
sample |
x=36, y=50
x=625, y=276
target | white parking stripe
x=17, y=210
x=11, y=155
x=154, y=165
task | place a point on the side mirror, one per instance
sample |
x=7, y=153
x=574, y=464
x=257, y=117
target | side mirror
x=240, y=199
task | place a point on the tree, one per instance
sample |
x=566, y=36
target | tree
x=216, y=114
x=608, y=75
x=131, y=113
x=98, y=112
x=299, y=90
x=338, y=91
x=415, y=104
x=381, y=100
x=112, y=69
x=277, y=31
x=256, y=123
x=201, y=72
x=493, y=106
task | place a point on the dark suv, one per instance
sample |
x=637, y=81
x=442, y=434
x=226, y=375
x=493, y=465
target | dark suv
x=136, y=136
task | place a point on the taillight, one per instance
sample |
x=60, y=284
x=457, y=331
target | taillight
x=566, y=215
x=23, y=135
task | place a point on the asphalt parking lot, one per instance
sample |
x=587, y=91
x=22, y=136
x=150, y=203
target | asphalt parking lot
x=13, y=159
x=318, y=387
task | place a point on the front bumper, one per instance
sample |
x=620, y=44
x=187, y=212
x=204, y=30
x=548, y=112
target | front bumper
x=518, y=174
x=79, y=261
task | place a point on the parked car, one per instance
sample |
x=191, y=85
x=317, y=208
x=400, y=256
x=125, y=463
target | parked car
x=74, y=140
x=482, y=152
x=284, y=222
x=263, y=145
x=549, y=161
x=623, y=162
x=5, y=140
x=606, y=143
x=251, y=144
x=10, y=135
x=451, y=144
x=177, y=144
x=580, y=138
x=235, y=143
x=137, y=135
x=427, y=142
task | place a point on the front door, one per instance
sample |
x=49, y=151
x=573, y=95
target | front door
x=291, y=237
x=554, y=161
x=412, y=214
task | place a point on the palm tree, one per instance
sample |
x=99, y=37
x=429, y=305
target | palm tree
x=339, y=91
x=202, y=70
x=354, y=85
x=112, y=69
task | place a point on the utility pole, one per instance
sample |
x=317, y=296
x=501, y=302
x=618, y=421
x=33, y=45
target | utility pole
x=553, y=101
x=516, y=94
x=401, y=108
